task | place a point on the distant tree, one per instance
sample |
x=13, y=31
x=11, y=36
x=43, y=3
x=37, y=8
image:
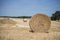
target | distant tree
x=56, y=16
x=24, y=17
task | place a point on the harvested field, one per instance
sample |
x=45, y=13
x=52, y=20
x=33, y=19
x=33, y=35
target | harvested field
x=20, y=31
x=4, y=22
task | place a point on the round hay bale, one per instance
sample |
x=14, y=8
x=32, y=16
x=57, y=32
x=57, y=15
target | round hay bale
x=40, y=23
x=25, y=20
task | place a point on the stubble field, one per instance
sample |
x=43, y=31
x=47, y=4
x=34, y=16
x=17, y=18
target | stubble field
x=21, y=31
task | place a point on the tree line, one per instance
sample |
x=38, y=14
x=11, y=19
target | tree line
x=56, y=16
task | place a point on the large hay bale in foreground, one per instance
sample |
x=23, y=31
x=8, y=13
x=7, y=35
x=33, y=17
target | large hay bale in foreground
x=40, y=23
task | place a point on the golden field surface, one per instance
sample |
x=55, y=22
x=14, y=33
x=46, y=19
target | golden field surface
x=21, y=31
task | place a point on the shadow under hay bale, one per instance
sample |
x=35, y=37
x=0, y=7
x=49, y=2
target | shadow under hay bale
x=40, y=23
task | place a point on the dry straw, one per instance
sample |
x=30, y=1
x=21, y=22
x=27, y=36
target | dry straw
x=40, y=23
x=6, y=22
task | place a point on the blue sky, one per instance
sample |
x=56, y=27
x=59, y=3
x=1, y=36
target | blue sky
x=28, y=7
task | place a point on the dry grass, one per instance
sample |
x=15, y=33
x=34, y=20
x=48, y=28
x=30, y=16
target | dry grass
x=19, y=33
x=6, y=22
x=24, y=34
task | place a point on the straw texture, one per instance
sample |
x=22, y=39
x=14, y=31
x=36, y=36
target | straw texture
x=40, y=23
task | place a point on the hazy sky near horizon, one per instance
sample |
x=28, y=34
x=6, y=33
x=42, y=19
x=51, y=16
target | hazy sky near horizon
x=28, y=7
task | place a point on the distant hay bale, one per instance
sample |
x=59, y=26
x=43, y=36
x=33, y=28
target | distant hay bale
x=6, y=22
x=25, y=20
x=40, y=23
